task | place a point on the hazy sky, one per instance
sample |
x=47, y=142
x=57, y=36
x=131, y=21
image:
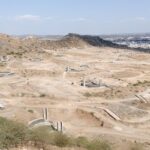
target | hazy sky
x=75, y=16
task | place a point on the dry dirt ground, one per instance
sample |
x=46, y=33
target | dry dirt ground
x=117, y=111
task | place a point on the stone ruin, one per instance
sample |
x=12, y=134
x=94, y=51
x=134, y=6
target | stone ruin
x=57, y=126
x=92, y=83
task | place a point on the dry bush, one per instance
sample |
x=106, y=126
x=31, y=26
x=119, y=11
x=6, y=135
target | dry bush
x=98, y=145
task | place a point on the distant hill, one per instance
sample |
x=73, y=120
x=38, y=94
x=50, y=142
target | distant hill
x=92, y=40
x=79, y=41
x=13, y=45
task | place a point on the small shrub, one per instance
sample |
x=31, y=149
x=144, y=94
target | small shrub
x=20, y=47
x=12, y=134
x=31, y=111
x=82, y=142
x=2, y=64
x=136, y=147
x=42, y=95
x=40, y=137
x=98, y=145
x=87, y=94
x=61, y=140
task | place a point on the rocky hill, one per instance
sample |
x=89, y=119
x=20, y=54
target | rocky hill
x=92, y=40
x=78, y=41
x=81, y=41
x=13, y=45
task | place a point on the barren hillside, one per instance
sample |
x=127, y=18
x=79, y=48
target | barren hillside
x=94, y=89
x=11, y=44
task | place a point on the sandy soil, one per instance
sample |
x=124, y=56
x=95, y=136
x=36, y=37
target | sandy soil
x=42, y=82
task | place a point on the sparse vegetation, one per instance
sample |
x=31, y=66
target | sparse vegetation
x=13, y=134
x=120, y=92
x=82, y=142
x=42, y=95
x=30, y=111
x=93, y=94
x=20, y=47
x=19, y=54
x=140, y=83
x=98, y=145
x=136, y=147
x=61, y=140
x=2, y=64
x=40, y=137
x=81, y=109
x=87, y=94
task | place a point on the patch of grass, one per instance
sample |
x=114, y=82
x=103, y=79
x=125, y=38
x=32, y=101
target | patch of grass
x=87, y=94
x=13, y=134
x=20, y=47
x=140, y=83
x=2, y=64
x=81, y=142
x=17, y=54
x=98, y=145
x=42, y=95
x=136, y=147
x=61, y=140
x=93, y=94
x=40, y=137
x=31, y=111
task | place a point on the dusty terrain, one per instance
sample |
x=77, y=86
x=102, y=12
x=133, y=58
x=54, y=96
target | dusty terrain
x=38, y=80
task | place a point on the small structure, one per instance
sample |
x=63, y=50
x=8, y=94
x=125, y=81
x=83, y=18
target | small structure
x=58, y=126
x=4, y=74
x=91, y=83
x=67, y=69
x=4, y=58
x=84, y=66
x=142, y=99
x=77, y=69
x=111, y=114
